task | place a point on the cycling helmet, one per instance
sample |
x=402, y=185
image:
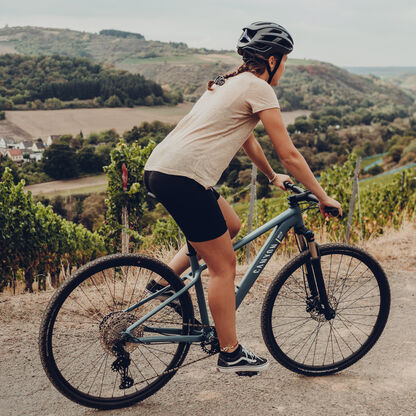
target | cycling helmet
x=260, y=40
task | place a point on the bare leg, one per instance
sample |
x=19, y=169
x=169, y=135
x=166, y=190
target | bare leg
x=220, y=258
x=180, y=262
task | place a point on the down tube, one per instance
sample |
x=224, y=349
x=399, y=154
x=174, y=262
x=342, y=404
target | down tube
x=262, y=258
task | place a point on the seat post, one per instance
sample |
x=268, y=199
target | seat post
x=191, y=250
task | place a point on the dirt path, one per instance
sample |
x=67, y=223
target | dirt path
x=382, y=383
x=90, y=183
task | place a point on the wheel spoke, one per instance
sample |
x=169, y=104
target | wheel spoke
x=305, y=339
x=86, y=334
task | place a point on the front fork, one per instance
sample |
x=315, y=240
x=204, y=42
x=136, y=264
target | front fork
x=318, y=298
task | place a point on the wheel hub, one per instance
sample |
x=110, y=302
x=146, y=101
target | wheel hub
x=316, y=311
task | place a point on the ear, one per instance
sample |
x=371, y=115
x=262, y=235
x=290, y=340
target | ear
x=272, y=61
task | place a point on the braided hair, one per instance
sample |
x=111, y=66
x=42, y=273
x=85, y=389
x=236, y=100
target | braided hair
x=251, y=64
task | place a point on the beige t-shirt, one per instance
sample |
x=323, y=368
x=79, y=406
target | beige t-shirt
x=204, y=142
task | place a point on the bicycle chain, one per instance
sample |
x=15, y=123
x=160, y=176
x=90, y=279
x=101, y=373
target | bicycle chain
x=174, y=369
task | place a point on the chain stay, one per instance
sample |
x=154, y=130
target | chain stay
x=174, y=369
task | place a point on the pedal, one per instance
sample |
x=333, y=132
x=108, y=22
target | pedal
x=247, y=373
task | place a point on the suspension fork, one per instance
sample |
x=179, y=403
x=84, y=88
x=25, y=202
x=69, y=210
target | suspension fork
x=314, y=276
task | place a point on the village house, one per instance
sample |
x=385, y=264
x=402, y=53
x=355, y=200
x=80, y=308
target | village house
x=35, y=156
x=52, y=139
x=38, y=147
x=24, y=145
x=15, y=154
x=7, y=142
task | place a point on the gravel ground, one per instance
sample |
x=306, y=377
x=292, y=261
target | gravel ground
x=382, y=383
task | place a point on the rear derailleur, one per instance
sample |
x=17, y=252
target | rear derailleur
x=121, y=366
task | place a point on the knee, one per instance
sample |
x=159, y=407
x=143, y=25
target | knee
x=226, y=270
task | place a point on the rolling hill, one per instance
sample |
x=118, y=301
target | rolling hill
x=307, y=84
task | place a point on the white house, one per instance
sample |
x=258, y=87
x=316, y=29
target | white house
x=35, y=156
x=38, y=147
x=10, y=142
x=7, y=142
x=15, y=154
x=52, y=139
x=24, y=145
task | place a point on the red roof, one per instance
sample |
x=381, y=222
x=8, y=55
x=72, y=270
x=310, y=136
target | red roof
x=14, y=152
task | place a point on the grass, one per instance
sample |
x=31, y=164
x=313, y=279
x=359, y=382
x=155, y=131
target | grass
x=85, y=185
x=368, y=161
x=379, y=180
x=98, y=189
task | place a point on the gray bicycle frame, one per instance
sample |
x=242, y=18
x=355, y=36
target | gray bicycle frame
x=292, y=217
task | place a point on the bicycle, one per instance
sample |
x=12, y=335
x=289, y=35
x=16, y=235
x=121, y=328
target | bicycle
x=107, y=343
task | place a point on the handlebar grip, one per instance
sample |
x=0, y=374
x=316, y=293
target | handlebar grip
x=332, y=211
x=293, y=188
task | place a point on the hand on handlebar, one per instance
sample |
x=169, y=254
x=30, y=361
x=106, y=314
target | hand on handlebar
x=328, y=206
x=329, y=202
x=280, y=179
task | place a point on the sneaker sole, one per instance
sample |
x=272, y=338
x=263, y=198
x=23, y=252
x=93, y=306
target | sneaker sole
x=256, y=368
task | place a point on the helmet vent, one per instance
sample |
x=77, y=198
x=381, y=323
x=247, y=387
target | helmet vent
x=269, y=38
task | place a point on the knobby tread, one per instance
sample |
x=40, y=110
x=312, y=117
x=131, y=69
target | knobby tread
x=286, y=272
x=59, y=297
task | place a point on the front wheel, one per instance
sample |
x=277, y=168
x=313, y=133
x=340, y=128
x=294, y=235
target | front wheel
x=294, y=327
x=81, y=345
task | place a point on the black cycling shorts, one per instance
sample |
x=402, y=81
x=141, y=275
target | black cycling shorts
x=194, y=208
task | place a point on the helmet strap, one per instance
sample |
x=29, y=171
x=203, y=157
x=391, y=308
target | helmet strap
x=276, y=67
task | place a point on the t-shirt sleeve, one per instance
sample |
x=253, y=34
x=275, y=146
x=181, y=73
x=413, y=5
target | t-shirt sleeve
x=261, y=96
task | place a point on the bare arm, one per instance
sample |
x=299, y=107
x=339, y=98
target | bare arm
x=254, y=151
x=291, y=158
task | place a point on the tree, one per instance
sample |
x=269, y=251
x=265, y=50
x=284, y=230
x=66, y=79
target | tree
x=5, y=104
x=89, y=161
x=7, y=163
x=375, y=170
x=396, y=153
x=60, y=162
x=134, y=157
x=53, y=103
x=113, y=101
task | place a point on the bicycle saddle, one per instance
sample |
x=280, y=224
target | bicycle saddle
x=152, y=195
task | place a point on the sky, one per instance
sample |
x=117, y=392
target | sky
x=345, y=33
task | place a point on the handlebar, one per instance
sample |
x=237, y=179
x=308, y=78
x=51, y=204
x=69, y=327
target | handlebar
x=309, y=196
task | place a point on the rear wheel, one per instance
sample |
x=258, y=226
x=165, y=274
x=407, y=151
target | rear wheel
x=80, y=341
x=294, y=327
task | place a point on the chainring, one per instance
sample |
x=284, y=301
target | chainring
x=211, y=345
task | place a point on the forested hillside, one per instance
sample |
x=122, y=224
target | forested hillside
x=51, y=81
x=307, y=84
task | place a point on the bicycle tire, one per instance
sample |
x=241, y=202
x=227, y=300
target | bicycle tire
x=83, y=313
x=286, y=297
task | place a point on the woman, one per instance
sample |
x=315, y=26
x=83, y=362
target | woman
x=184, y=167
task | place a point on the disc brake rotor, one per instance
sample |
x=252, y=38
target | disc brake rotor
x=316, y=312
